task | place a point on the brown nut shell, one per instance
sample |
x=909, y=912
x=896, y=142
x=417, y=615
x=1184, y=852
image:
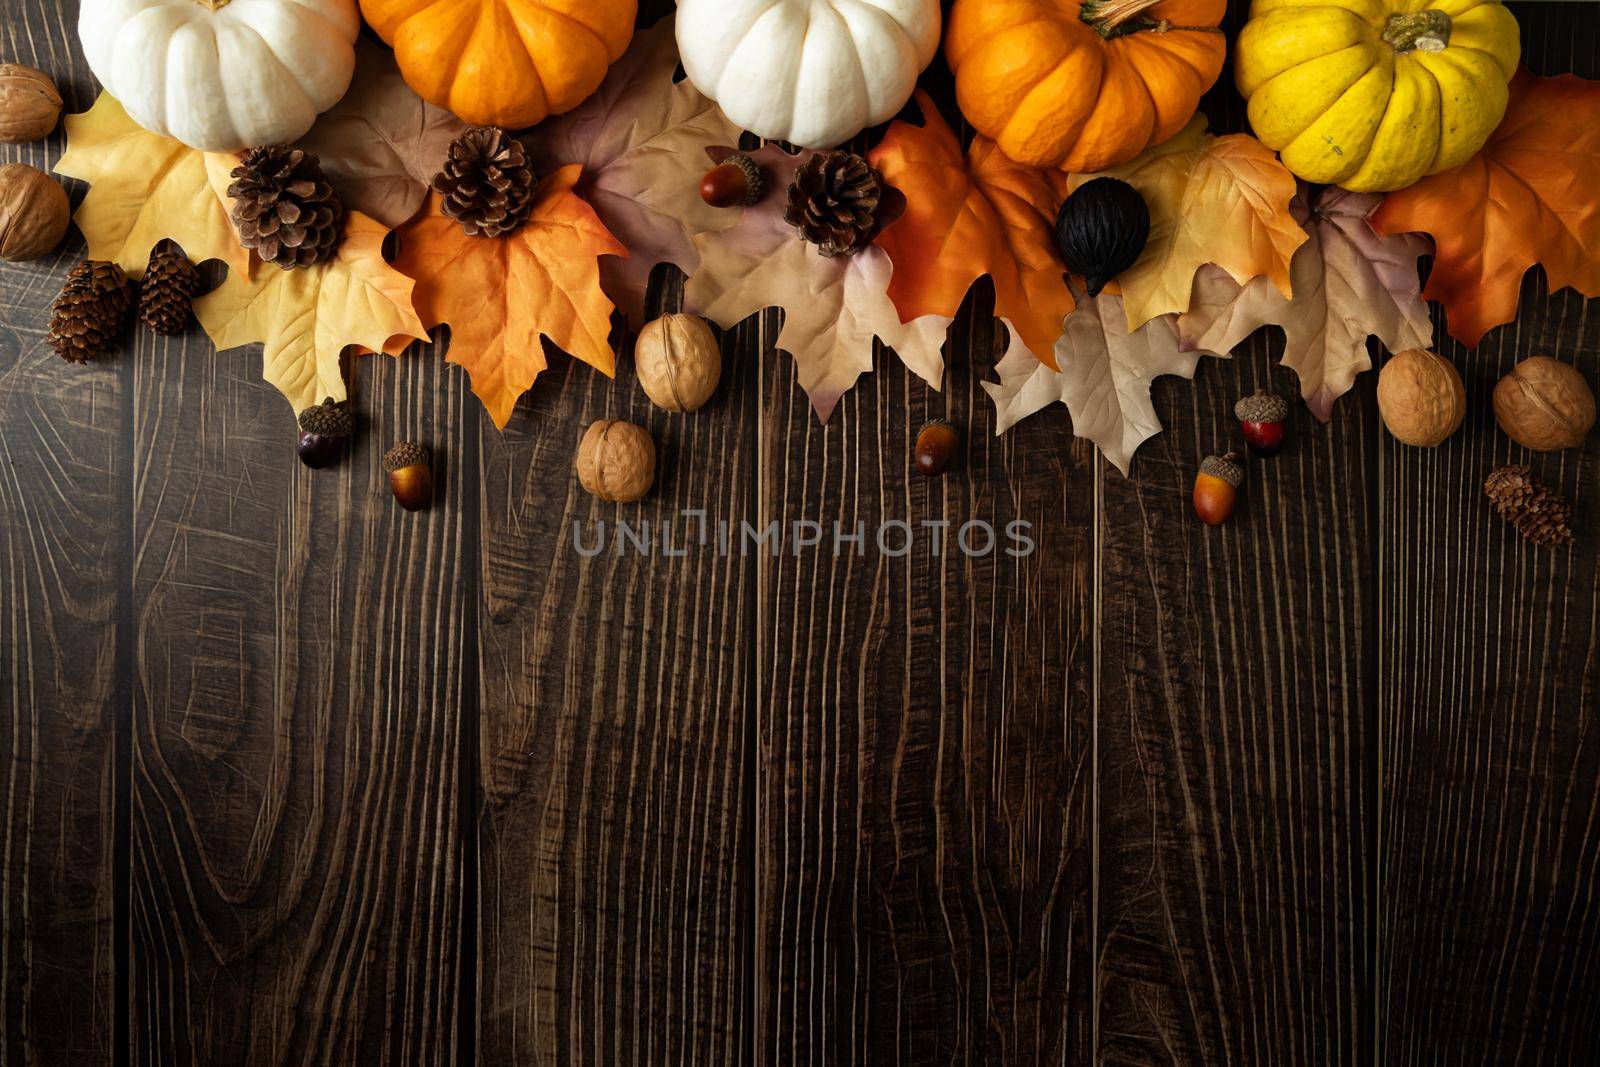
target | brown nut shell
x=936, y=448
x=34, y=212
x=678, y=362
x=616, y=461
x=1544, y=405
x=30, y=104
x=1421, y=397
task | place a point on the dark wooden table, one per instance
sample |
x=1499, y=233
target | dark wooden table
x=291, y=777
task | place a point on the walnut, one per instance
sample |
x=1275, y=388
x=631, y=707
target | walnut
x=34, y=212
x=1544, y=404
x=29, y=104
x=678, y=362
x=1420, y=397
x=616, y=461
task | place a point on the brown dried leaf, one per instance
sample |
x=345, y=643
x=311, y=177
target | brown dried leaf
x=382, y=144
x=641, y=140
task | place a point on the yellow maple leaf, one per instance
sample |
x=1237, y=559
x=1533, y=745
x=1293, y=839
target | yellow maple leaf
x=1222, y=200
x=501, y=294
x=306, y=318
x=144, y=187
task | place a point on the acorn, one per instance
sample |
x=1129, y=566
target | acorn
x=937, y=443
x=324, y=429
x=1261, y=417
x=1216, y=488
x=735, y=181
x=409, y=475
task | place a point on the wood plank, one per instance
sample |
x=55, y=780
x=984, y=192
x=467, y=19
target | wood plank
x=298, y=704
x=925, y=731
x=1487, y=936
x=63, y=550
x=1231, y=735
x=614, y=827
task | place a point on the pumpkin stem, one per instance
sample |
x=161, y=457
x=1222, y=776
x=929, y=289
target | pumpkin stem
x=214, y=5
x=1418, y=31
x=1118, y=18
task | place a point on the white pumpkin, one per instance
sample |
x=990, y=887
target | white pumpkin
x=811, y=72
x=221, y=75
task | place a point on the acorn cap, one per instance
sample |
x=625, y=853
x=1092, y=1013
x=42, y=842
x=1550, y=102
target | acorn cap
x=1225, y=468
x=329, y=418
x=1261, y=407
x=754, y=183
x=403, y=455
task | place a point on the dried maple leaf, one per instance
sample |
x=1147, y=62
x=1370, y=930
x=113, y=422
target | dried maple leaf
x=967, y=217
x=306, y=318
x=382, y=144
x=641, y=141
x=1104, y=380
x=1222, y=200
x=1532, y=195
x=833, y=308
x=144, y=187
x=500, y=294
x=1349, y=283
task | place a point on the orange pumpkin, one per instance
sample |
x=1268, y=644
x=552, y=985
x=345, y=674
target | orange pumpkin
x=504, y=62
x=1082, y=85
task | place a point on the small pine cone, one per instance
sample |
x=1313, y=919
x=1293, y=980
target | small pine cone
x=89, y=313
x=166, y=293
x=284, y=207
x=834, y=203
x=487, y=182
x=1536, y=510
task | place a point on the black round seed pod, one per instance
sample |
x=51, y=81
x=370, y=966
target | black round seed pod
x=1102, y=228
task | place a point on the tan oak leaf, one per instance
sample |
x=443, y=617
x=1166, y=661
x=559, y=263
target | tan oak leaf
x=143, y=188
x=1222, y=200
x=1104, y=380
x=1349, y=283
x=306, y=318
x=641, y=140
x=833, y=308
x=382, y=144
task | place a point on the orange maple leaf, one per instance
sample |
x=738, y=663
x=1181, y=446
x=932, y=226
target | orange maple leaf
x=1532, y=195
x=500, y=295
x=965, y=218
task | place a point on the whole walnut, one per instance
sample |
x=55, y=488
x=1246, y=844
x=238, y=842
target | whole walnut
x=678, y=362
x=34, y=212
x=1544, y=404
x=616, y=461
x=1421, y=397
x=29, y=104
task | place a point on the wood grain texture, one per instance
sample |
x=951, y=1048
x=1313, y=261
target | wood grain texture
x=297, y=712
x=925, y=722
x=1232, y=730
x=63, y=508
x=1232, y=738
x=1489, y=821
x=614, y=830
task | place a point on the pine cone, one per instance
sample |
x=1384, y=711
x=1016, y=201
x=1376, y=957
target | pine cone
x=487, y=182
x=166, y=293
x=834, y=202
x=88, y=314
x=284, y=207
x=1536, y=510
